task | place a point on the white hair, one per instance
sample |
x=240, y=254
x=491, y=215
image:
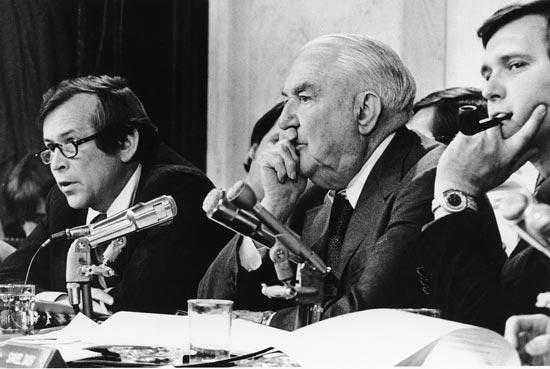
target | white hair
x=371, y=65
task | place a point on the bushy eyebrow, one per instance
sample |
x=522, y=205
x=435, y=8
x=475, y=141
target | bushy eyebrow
x=299, y=88
x=70, y=132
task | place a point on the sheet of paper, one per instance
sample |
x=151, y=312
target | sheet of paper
x=144, y=329
x=249, y=337
x=381, y=337
x=129, y=328
x=472, y=346
x=71, y=341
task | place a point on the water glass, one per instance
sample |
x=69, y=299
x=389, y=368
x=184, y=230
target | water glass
x=209, y=328
x=17, y=309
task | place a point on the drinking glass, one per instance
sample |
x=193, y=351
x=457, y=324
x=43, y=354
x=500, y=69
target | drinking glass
x=210, y=328
x=17, y=309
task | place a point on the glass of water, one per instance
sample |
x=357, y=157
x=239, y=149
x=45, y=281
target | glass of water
x=17, y=309
x=209, y=328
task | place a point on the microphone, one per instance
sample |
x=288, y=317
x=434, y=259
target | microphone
x=470, y=121
x=514, y=209
x=159, y=211
x=242, y=196
x=220, y=210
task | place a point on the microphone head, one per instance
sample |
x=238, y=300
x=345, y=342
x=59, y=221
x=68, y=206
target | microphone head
x=171, y=204
x=242, y=195
x=212, y=200
x=513, y=206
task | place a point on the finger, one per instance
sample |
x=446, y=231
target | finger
x=512, y=329
x=277, y=163
x=539, y=345
x=538, y=219
x=100, y=295
x=526, y=133
x=524, y=323
x=289, y=161
x=292, y=150
x=543, y=300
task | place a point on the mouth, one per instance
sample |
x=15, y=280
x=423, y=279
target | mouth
x=65, y=184
x=299, y=145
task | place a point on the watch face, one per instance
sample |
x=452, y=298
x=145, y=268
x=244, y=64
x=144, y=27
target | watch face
x=454, y=200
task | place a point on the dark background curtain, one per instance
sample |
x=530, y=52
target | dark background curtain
x=159, y=46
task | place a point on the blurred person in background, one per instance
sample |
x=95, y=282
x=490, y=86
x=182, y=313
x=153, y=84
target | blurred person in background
x=25, y=194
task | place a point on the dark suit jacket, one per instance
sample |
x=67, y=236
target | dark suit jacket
x=471, y=279
x=378, y=261
x=159, y=268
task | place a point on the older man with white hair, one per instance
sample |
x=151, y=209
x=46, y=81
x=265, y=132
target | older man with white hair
x=348, y=98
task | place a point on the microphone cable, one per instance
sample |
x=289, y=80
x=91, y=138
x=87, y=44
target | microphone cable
x=44, y=244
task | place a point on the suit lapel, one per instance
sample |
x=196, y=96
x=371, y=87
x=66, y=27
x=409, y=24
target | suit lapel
x=366, y=223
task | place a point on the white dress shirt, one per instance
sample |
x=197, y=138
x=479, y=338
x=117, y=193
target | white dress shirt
x=124, y=199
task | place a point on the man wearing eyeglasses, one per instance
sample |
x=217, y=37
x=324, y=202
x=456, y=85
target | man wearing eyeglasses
x=105, y=156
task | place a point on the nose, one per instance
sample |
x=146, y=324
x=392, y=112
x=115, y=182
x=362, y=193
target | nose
x=58, y=161
x=494, y=89
x=288, y=118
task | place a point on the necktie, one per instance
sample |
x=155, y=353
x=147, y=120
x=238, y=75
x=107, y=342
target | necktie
x=98, y=218
x=542, y=190
x=96, y=253
x=340, y=214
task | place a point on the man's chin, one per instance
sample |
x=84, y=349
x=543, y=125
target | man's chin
x=307, y=169
x=76, y=202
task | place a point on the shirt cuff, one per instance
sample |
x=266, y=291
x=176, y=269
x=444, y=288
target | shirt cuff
x=249, y=256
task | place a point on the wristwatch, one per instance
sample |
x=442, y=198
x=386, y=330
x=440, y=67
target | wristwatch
x=454, y=201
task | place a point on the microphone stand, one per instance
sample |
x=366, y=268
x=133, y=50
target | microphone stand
x=78, y=281
x=80, y=272
x=306, y=286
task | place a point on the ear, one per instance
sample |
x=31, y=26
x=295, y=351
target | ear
x=367, y=108
x=128, y=147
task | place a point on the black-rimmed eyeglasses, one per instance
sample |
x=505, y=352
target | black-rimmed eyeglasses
x=69, y=150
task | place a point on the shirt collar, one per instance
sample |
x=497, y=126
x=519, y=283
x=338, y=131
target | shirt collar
x=124, y=199
x=355, y=186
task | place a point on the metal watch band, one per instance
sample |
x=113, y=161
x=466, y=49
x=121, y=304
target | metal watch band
x=454, y=201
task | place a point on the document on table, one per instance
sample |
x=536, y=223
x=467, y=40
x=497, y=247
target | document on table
x=144, y=329
x=71, y=341
x=129, y=328
x=388, y=337
x=384, y=337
